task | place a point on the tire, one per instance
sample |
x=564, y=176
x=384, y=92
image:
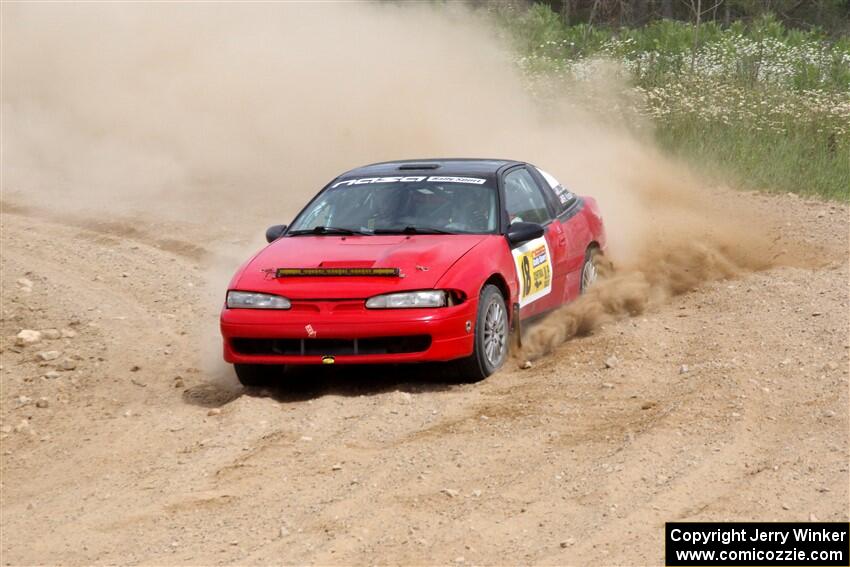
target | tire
x=254, y=375
x=490, y=348
x=590, y=268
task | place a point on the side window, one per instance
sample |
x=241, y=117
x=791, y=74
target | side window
x=524, y=201
x=561, y=197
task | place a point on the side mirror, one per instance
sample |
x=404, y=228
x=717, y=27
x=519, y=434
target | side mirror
x=274, y=232
x=520, y=232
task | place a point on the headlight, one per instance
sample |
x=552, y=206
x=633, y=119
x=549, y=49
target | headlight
x=251, y=300
x=431, y=298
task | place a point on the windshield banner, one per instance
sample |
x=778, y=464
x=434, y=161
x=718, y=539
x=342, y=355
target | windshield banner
x=411, y=179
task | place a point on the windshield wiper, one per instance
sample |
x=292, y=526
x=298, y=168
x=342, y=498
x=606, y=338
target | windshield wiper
x=412, y=230
x=331, y=230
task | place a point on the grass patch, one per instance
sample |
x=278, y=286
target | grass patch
x=800, y=162
x=756, y=105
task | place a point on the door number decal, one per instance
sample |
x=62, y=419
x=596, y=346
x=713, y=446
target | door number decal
x=534, y=270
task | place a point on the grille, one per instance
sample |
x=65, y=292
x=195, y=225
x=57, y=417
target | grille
x=320, y=347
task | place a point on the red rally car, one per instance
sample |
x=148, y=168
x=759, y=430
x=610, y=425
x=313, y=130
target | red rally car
x=412, y=261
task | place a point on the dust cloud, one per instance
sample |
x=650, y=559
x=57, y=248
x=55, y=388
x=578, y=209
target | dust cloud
x=690, y=234
x=656, y=275
x=232, y=113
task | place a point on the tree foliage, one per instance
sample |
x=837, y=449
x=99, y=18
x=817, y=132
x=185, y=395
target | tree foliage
x=832, y=16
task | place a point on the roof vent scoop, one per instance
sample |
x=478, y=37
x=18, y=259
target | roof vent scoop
x=409, y=166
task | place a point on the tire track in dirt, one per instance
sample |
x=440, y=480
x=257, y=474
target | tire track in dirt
x=110, y=232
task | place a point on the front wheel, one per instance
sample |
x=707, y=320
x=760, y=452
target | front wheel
x=258, y=374
x=491, y=337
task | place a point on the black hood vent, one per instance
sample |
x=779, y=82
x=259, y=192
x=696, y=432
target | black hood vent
x=415, y=166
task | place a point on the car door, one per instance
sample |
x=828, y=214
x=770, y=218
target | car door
x=574, y=230
x=539, y=262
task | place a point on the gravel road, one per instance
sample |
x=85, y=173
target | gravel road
x=124, y=442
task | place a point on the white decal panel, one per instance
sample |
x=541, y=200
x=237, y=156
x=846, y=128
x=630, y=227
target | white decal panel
x=549, y=179
x=564, y=194
x=470, y=180
x=534, y=270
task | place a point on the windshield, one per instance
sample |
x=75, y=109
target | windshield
x=421, y=206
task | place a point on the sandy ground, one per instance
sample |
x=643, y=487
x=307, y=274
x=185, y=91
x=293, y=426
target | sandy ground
x=730, y=402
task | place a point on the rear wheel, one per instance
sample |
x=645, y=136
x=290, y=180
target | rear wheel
x=491, y=337
x=258, y=374
x=590, y=268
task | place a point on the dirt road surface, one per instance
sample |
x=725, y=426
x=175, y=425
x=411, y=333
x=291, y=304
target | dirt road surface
x=729, y=402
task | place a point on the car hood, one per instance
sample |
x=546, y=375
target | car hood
x=421, y=259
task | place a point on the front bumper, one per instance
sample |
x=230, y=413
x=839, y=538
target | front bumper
x=314, y=323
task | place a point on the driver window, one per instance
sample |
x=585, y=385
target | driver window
x=524, y=201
